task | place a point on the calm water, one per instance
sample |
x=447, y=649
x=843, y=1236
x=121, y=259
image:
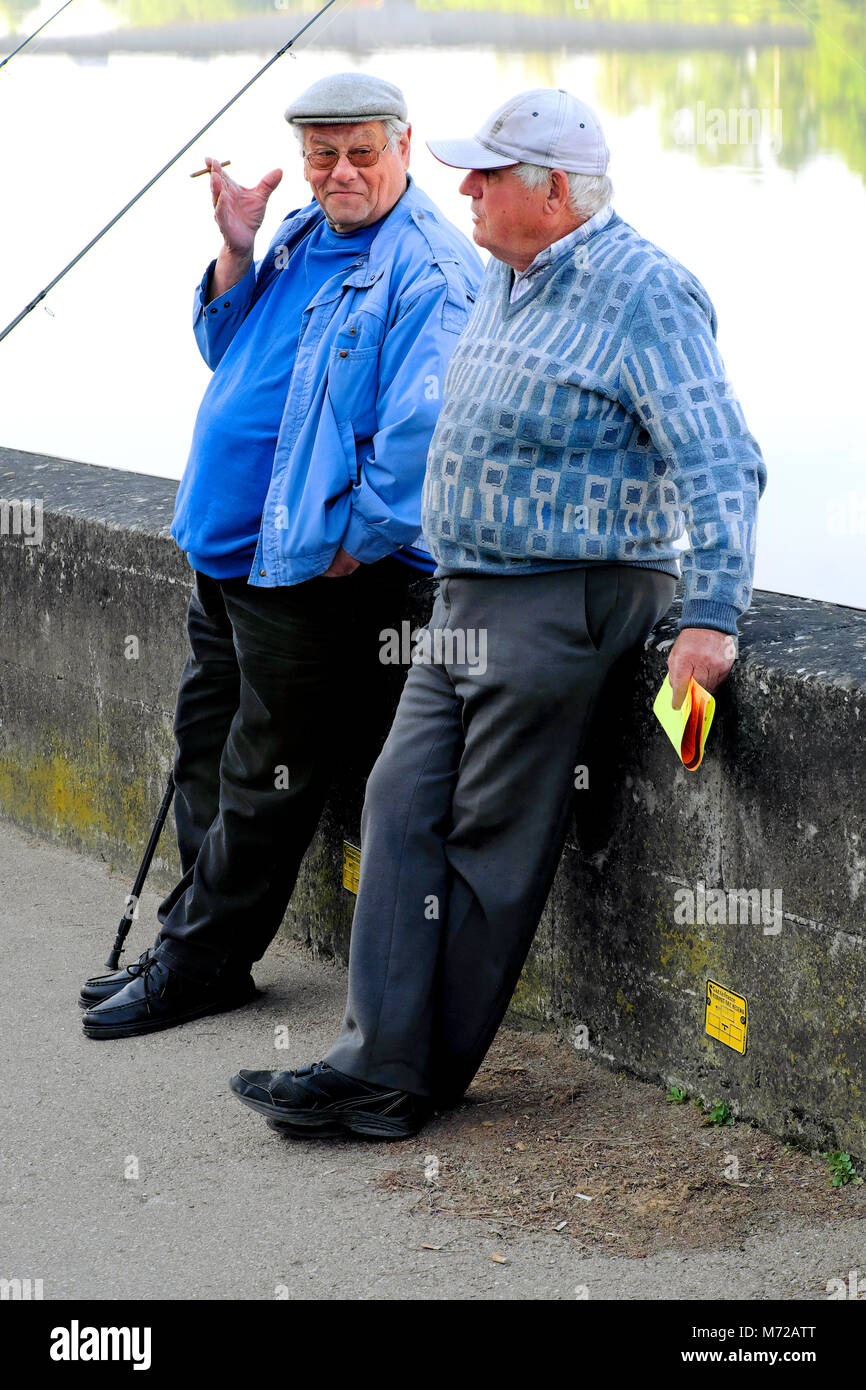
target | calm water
x=738, y=139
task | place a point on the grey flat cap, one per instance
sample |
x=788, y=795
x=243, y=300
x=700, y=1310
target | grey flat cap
x=345, y=99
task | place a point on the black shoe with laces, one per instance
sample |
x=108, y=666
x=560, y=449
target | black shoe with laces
x=100, y=987
x=319, y=1101
x=160, y=997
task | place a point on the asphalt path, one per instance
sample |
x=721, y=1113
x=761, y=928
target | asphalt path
x=129, y=1171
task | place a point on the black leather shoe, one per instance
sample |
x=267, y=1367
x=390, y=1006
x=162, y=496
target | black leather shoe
x=159, y=997
x=100, y=987
x=318, y=1101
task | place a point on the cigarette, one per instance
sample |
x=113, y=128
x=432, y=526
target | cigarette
x=198, y=173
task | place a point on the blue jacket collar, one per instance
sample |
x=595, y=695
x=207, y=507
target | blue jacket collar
x=414, y=207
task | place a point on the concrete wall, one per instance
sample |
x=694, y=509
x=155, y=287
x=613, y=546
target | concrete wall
x=85, y=746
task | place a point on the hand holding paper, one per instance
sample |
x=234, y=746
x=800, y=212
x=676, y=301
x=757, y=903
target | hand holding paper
x=688, y=726
x=701, y=652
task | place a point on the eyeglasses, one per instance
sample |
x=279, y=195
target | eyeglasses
x=362, y=158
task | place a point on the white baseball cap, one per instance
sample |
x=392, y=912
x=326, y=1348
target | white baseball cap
x=546, y=126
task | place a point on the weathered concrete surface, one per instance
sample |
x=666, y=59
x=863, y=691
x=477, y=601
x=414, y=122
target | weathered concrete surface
x=778, y=805
x=85, y=745
x=85, y=730
x=223, y=1208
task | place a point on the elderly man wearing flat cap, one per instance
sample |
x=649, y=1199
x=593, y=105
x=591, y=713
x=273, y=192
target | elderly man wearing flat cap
x=299, y=511
x=587, y=422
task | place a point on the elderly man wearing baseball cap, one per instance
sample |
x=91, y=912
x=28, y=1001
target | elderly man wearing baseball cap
x=299, y=512
x=587, y=423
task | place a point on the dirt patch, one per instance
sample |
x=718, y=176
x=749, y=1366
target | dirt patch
x=543, y=1128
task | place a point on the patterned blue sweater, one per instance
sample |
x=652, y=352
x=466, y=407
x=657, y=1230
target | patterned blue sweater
x=592, y=421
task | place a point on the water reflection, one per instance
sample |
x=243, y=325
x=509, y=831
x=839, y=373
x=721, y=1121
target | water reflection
x=790, y=77
x=731, y=125
x=814, y=95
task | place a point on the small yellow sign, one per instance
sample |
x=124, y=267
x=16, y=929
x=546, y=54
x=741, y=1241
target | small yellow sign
x=351, y=866
x=727, y=1016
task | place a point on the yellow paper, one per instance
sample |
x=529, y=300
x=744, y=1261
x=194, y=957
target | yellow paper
x=686, y=731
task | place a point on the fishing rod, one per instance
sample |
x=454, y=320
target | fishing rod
x=10, y=56
x=165, y=168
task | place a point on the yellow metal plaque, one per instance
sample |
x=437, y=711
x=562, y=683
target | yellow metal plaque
x=351, y=866
x=727, y=1016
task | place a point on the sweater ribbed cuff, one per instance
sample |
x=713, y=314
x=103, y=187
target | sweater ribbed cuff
x=703, y=612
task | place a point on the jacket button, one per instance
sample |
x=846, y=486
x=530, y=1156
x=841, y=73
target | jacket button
x=353, y=331
x=263, y=573
x=343, y=352
x=228, y=304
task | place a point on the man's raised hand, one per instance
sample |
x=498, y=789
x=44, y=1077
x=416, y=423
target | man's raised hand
x=239, y=211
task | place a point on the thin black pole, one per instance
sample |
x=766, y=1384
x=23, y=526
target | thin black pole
x=165, y=168
x=132, y=901
x=10, y=56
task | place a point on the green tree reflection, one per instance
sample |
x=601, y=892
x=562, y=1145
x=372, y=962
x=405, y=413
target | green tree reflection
x=157, y=12
x=13, y=11
x=814, y=93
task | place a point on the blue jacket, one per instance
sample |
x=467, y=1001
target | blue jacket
x=365, y=391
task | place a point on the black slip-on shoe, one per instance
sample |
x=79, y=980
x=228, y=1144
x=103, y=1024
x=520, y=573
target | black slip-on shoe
x=159, y=998
x=100, y=987
x=319, y=1101
x=323, y=1131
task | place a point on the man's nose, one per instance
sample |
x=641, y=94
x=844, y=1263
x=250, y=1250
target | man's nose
x=344, y=169
x=471, y=185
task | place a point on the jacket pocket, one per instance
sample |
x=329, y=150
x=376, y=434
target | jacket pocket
x=350, y=452
x=352, y=386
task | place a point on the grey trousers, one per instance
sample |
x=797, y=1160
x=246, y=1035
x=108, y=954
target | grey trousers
x=466, y=813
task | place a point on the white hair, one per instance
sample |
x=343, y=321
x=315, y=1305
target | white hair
x=392, y=127
x=588, y=193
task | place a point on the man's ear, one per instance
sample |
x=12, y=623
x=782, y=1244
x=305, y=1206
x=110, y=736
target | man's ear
x=558, y=193
x=406, y=147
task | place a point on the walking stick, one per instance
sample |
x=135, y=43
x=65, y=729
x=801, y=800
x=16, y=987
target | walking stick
x=113, y=962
